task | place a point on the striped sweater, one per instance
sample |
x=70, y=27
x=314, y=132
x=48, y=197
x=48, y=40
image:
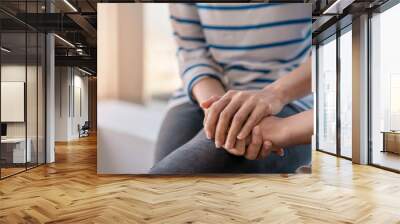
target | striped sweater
x=244, y=46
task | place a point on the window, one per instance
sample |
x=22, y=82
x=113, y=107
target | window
x=327, y=96
x=385, y=89
x=329, y=112
x=346, y=93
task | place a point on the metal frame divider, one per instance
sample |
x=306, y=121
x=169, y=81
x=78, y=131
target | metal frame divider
x=338, y=153
x=317, y=93
x=0, y=92
x=382, y=8
x=338, y=76
x=37, y=95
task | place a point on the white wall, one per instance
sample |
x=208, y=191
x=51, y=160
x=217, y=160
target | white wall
x=33, y=126
x=61, y=103
x=81, y=82
x=68, y=81
x=11, y=73
x=13, y=101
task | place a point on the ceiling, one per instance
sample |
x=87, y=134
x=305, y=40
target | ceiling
x=72, y=20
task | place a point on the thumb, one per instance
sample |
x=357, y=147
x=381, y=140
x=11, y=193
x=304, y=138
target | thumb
x=207, y=103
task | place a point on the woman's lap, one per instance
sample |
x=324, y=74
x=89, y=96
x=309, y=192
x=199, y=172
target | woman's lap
x=179, y=126
x=182, y=148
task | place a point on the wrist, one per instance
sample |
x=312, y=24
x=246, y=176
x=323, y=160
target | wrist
x=287, y=133
x=278, y=92
x=275, y=97
x=207, y=88
x=208, y=97
x=299, y=128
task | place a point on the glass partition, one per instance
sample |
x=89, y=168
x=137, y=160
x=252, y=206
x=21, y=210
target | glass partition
x=346, y=93
x=31, y=99
x=385, y=89
x=14, y=153
x=23, y=91
x=327, y=96
x=34, y=69
x=41, y=111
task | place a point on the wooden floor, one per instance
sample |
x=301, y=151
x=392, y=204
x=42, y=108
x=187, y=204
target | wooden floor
x=387, y=159
x=69, y=191
x=5, y=172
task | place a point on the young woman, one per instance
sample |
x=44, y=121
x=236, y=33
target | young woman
x=240, y=64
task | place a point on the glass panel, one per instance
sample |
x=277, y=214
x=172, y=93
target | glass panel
x=32, y=90
x=385, y=84
x=13, y=89
x=41, y=79
x=346, y=94
x=327, y=97
x=22, y=88
x=31, y=100
x=41, y=98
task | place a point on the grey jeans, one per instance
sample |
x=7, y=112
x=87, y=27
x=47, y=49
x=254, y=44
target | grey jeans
x=182, y=148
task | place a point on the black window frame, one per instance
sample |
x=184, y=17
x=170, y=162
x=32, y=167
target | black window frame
x=377, y=10
x=30, y=29
x=333, y=33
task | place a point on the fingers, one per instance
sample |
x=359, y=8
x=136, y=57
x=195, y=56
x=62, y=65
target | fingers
x=237, y=122
x=213, y=115
x=239, y=148
x=206, y=104
x=266, y=149
x=253, y=149
x=205, y=117
x=258, y=113
x=224, y=122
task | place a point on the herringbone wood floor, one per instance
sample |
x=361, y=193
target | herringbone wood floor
x=69, y=191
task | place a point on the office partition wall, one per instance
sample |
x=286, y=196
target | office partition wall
x=327, y=95
x=23, y=87
x=385, y=88
x=334, y=93
x=13, y=83
x=382, y=90
x=345, y=93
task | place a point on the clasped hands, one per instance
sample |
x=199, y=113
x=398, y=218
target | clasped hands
x=242, y=122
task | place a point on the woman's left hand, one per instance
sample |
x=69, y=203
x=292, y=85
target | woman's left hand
x=235, y=114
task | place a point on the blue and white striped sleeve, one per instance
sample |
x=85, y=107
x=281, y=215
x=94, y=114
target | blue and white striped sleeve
x=194, y=59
